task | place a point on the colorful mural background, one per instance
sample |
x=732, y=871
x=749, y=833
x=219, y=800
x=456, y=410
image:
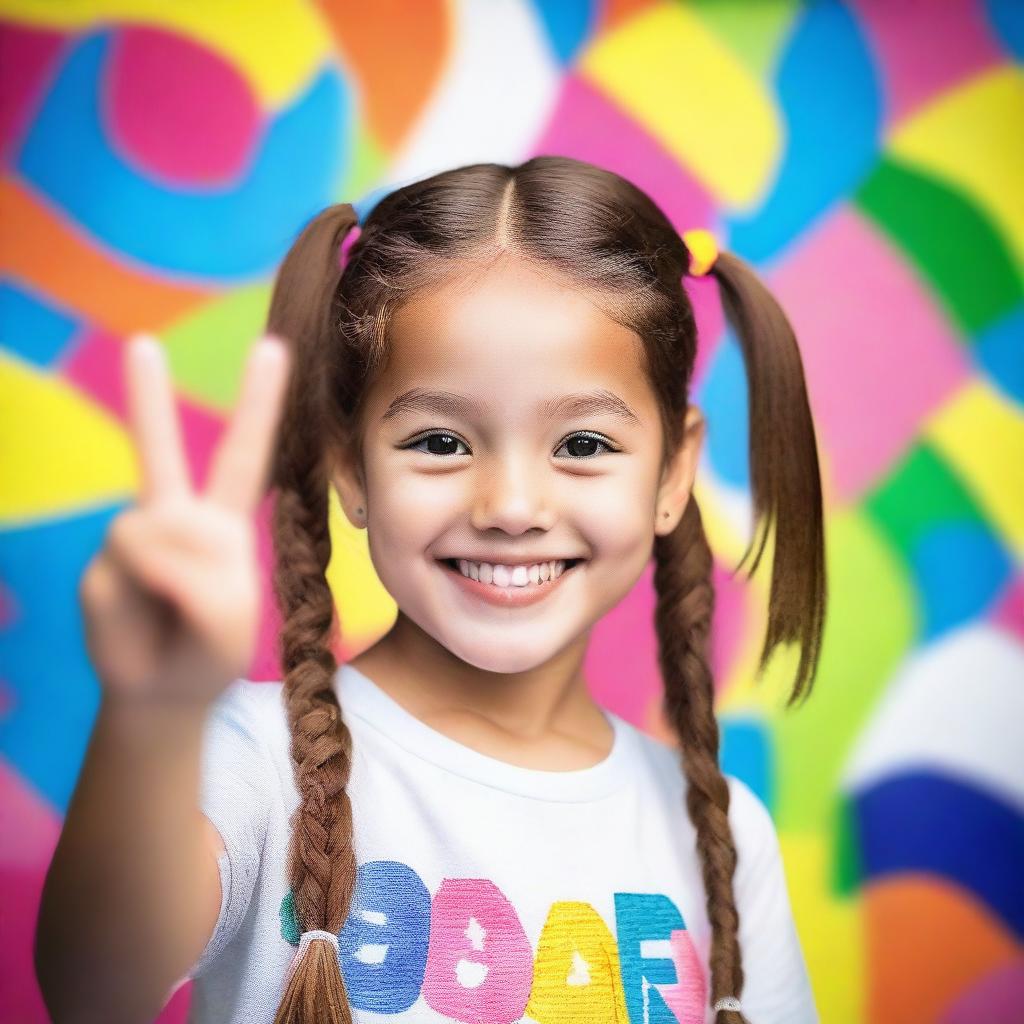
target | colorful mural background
x=866, y=157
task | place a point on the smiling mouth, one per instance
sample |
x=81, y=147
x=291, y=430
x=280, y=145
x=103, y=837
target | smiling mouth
x=453, y=565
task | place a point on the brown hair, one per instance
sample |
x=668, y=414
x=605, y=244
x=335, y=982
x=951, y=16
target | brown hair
x=605, y=236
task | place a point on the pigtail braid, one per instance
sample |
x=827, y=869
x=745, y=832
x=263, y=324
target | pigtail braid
x=682, y=618
x=322, y=863
x=786, y=488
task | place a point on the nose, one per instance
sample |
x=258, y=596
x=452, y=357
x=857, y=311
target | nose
x=512, y=494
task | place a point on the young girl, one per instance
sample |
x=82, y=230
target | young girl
x=494, y=378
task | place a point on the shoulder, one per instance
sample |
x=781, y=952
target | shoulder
x=751, y=821
x=254, y=709
x=753, y=828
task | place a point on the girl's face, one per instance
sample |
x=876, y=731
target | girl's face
x=513, y=425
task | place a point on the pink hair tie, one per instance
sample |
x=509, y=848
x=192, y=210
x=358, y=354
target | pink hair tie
x=347, y=242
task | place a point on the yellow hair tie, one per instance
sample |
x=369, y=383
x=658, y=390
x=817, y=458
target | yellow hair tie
x=703, y=251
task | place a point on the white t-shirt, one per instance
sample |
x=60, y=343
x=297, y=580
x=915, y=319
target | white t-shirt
x=486, y=891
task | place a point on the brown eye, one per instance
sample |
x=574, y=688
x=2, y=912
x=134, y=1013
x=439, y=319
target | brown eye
x=444, y=441
x=585, y=445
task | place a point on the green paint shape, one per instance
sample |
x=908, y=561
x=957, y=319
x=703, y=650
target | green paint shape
x=948, y=238
x=208, y=350
x=755, y=33
x=869, y=627
x=921, y=492
x=847, y=863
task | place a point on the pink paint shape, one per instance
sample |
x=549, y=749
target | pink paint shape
x=925, y=49
x=1008, y=611
x=878, y=351
x=95, y=366
x=28, y=60
x=177, y=110
x=30, y=828
x=20, y=891
x=266, y=663
x=706, y=298
x=8, y=606
x=587, y=125
x=730, y=621
x=621, y=662
x=29, y=824
x=997, y=998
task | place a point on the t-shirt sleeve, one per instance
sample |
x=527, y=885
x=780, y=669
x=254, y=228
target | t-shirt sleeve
x=776, y=984
x=235, y=793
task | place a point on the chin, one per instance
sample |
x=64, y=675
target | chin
x=499, y=655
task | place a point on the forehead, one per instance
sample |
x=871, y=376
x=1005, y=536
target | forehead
x=511, y=331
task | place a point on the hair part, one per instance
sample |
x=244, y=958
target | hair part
x=605, y=237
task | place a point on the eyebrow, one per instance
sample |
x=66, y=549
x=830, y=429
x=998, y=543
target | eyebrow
x=448, y=403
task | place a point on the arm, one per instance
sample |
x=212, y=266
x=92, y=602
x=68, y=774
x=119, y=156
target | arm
x=134, y=870
x=171, y=611
x=777, y=987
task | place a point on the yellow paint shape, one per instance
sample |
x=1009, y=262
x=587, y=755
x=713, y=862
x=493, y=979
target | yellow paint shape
x=276, y=45
x=981, y=433
x=831, y=929
x=61, y=450
x=365, y=609
x=967, y=137
x=671, y=73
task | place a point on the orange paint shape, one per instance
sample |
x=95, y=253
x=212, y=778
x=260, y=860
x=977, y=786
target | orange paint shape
x=42, y=249
x=928, y=940
x=397, y=52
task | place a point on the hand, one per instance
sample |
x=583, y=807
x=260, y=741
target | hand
x=171, y=602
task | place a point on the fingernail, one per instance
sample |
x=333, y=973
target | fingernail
x=149, y=344
x=273, y=343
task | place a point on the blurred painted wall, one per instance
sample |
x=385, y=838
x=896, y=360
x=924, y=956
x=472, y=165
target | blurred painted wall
x=866, y=157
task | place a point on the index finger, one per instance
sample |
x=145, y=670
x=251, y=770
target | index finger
x=154, y=419
x=239, y=466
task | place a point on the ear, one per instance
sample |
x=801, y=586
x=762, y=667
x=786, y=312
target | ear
x=678, y=476
x=347, y=477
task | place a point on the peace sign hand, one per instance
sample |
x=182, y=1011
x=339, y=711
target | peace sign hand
x=171, y=602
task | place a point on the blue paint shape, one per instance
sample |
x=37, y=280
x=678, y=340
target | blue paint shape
x=32, y=327
x=933, y=823
x=42, y=650
x=722, y=396
x=745, y=753
x=1007, y=20
x=831, y=109
x=213, y=233
x=959, y=569
x=569, y=24
x=999, y=350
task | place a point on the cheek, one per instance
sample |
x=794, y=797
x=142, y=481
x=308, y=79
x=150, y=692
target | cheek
x=616, y=519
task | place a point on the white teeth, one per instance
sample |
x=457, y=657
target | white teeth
x=511, y=575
